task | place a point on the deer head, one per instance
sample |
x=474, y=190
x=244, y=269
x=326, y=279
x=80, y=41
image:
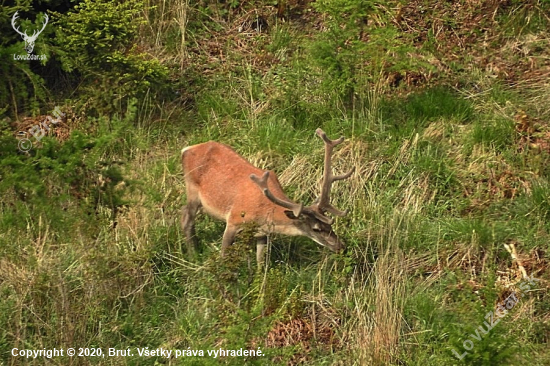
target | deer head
x=315, y=223
x=29, y=40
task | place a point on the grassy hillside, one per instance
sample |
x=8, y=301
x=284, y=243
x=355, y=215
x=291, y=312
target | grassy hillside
x=445, y=110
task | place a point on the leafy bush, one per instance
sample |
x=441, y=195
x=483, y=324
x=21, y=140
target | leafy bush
x=359, y=43
x=97, y=41
x=68, y=181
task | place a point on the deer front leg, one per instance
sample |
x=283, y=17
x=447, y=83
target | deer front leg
x=228, y=238
x=261, y=245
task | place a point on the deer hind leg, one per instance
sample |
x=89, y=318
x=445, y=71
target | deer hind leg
x=189, y=212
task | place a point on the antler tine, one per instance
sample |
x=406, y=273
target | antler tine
x=262, y=183
x=46, y=18
x=324, y=199
x=36, y=33
x=15, y=16
x=343, y=176
x=325, y=138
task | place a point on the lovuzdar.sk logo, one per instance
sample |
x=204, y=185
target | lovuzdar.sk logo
x=29, y=40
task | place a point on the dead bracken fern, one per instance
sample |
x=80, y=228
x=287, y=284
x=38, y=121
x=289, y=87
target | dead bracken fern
x=43, y=125
x=303, y=333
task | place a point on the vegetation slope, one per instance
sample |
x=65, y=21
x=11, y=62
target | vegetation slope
x=445, y=110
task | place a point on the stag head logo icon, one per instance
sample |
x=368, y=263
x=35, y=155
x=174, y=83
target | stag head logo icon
x=29, y=40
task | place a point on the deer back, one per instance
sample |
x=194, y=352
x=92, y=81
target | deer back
x=221, y=180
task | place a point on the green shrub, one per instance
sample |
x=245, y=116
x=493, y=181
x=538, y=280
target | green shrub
x=97, y=42
x=64, y=182
x=360, y=44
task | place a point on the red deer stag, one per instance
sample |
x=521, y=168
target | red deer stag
x=229, y=188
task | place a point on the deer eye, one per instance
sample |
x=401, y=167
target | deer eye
x=316, y=228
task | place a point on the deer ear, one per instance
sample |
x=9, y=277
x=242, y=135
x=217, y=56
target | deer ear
x=290, y=215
